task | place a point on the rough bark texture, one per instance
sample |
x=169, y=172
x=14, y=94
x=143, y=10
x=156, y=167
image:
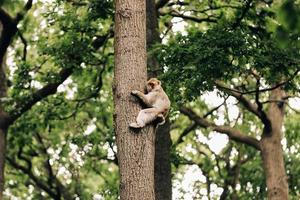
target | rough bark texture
x=2, y=159
x=271, y=150
x=3, y=126
x=135, y=148
x=152, y=37
x=162, y=166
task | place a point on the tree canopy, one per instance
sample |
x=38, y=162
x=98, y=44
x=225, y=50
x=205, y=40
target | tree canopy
x=231, y=69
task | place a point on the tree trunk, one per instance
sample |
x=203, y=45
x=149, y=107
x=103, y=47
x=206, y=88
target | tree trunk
x=272, y=154
x=3, y=130
x=162, y=166
x=3, y=125
x=152, y=37
x=2, y=159
x=135, y=148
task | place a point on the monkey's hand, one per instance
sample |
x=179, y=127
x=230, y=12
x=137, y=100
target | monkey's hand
x=135, y=92
x=142, y=97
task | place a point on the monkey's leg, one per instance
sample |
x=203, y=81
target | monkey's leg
x=144, y=117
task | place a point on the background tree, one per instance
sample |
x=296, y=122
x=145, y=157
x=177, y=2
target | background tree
x=237, y=58
x=162, y=166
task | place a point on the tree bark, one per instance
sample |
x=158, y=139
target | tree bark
x=162, y=166
x=271, y=149
x=135, y=147
x=2, y=159
x=3, y=125
x=152, y=37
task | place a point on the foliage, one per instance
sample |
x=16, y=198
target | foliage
x=63, y=130
x=195, y=61
x=72, y=132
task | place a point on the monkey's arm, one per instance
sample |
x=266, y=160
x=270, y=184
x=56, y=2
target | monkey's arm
x=142, y=97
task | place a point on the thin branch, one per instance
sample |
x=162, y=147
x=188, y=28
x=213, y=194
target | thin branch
x=282, y=100
x=26, y=160
x=257, y=93
x=253, y=108
x=177, y=3
x=249, y=106
x=169, y=26
x=24, y=41
x=175, y=13
x=39, y=183
x=78, y=105
x=265, y=89
x=295, y=110
x=194, y=125
x=232, y=133
x=210, y=8
x=214, y=109
x=99, y=83
x=51, y=177
x=100, y=40
x=185, y=133
x=22, y=13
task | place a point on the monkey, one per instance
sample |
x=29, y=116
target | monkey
x=156, y=100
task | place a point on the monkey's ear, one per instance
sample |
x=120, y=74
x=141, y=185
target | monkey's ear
x=158, y=82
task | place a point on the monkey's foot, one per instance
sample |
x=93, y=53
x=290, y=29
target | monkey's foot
x=135, y=125
x=160, y=119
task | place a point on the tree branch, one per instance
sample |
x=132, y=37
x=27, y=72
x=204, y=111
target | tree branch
x=293, y=109
x=24, y=41
x=5, y=18
x=194, y=125
x=210, y=8
x=249, y=106
x=265, y=89
x=253, y=108
x=51, y=177
x=22, y=13
x=185, y=133
x=26, y=160
x=39, y=183
x=175, y=13
x=232, y=133
x=10, y=27
x=40, y=94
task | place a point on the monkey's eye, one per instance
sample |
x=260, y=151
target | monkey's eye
x=151, y=84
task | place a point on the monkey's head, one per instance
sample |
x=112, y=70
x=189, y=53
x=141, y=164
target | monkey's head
x=153, y=84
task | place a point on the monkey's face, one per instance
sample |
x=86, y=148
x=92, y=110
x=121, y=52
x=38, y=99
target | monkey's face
x=153, y=84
